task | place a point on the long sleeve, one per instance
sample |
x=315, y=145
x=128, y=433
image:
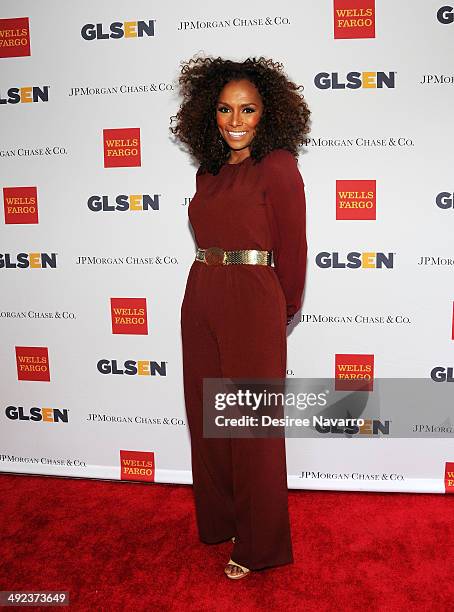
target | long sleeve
x=286, y=196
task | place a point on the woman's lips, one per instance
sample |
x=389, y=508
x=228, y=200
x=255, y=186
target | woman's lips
x=236, y=135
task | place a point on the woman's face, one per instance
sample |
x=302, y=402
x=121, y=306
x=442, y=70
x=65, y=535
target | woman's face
x=238, y=113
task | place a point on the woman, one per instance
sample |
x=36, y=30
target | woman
x=243, y=123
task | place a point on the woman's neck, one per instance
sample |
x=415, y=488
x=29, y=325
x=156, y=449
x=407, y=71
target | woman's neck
x=236, y=157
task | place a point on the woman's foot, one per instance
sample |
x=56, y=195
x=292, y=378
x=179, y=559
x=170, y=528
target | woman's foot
x=235, y=570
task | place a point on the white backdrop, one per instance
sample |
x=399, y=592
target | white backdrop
x=399, y=136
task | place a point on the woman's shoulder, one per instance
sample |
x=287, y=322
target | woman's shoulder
x=280, y=167
x=201, y=175
x=279, y=163
x=279, y=158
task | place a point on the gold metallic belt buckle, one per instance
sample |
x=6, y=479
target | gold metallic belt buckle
x=215, y=256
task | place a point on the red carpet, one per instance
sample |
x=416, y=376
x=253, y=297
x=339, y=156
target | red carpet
x=127, y=546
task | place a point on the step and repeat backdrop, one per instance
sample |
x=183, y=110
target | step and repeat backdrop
x=96, y=244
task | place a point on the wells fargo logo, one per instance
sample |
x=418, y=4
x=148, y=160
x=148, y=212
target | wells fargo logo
x=355, y=80
x=121, y=147
x=356, y=200
x=129, y=315
x=449, y=477
x=32, y=363
x=28, y=260
x=20, y=204
x=137, y=465
x=24, y=95
x=44, y=415
x=131, y=367
x=355, y=259
x=354, y=372
x=122, y=202
x=354, y=18
x=118, y=29
x=14, y=37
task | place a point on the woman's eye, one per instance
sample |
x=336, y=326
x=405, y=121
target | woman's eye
x=224, y=109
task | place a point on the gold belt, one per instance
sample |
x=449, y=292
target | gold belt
x=215, y=256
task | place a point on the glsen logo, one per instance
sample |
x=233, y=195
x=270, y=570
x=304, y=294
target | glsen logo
x=14, y=37
x=137, y=465
x=442, y=374
x=452, y=327
x=354, y=18
x=20, y=204
x=445, y=15
x=32, y=363
x=354, y=372
x=355, y=80
x=28, y=260
x=121, y=147
x=356, y=200
x=118, y=29
x=46, y=415
x=445, y=200
x=131, y=367
x=355, y=259
x=449, y=477
x=129, y=315
x=17, y=95
x=371, y=427
x=123, y=202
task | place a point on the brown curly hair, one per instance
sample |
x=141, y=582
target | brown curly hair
x=283, y=124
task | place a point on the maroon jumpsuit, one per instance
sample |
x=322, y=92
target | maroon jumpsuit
x=233, y=324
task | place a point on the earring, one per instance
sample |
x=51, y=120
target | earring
x=220, y=141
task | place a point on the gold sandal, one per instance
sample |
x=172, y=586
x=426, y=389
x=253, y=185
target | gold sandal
x=244, y=570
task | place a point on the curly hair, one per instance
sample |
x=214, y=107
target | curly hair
x=283, y=124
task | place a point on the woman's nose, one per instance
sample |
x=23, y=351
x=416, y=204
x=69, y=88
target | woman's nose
x=235, y=118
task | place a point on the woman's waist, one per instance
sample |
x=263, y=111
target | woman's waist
x=220, y=256
x=252, y=282
x=235, y=245
x=200, y=268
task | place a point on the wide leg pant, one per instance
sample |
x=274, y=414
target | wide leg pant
x=233, y=324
